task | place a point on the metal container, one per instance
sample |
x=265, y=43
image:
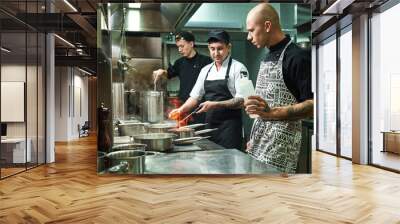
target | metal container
x=118, y=102
x=183, y=132
x=156, y=141
x=131, y=146
x=160, y=128
x=131, y=161
x=130, y=129
x=152, y=106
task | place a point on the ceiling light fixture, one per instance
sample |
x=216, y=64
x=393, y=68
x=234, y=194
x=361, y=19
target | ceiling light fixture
x=65, y=41
x=337, y=7
x=84, y=71
x=5, y=50
x=70, y=5
x=134, y=5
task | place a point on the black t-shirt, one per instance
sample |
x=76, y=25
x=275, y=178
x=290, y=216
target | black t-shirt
x=296, y=67
x=188, y=69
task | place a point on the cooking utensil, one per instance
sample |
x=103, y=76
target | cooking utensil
x=160, y=128
x=130, y=129
x=152, y=106
x=183, y=132
x=185, y=118
x=130, y=146
x=193, y=125
x=188, y=141
x=205, y=131
x=156, y=141
x=131, y=161
x=122, y=140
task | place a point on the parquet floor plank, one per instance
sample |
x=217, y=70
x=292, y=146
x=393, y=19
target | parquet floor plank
x=70, y=191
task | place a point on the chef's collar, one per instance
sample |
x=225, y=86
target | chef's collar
x=281, y=44
x=226, y=61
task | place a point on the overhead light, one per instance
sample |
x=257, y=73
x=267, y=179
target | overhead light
x=70, y=5
x=134, y=5
x=84, y=71
x=5, y=50
x=337, y=7
x=64, y=40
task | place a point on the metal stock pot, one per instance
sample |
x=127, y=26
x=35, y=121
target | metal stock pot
x=131, y=161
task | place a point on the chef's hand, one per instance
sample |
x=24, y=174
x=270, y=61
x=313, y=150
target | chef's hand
x=158, y=74
x=206, y=106
x=248, y=146
x=175, y=114
x=256, y=105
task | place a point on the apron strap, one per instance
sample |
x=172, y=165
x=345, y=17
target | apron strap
x=284, y=49
x=227, y=71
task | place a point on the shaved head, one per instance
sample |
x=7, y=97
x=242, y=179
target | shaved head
x=263, y=26
x=264, y=12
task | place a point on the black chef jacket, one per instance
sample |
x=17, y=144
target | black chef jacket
x=187, y=69
x=296, y=68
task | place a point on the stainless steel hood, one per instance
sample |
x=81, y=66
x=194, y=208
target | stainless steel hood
x=152, y=17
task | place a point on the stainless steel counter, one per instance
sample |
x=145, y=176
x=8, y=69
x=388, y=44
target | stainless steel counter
x=225, y=161
x=203, y=157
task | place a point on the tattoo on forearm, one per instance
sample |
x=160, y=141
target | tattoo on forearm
x=234, y=103
x=301, y=110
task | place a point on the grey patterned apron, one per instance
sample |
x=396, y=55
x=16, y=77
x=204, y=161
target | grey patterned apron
x=276, y=143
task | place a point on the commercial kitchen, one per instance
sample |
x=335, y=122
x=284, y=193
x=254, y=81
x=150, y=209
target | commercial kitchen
x=78, y=92
x=137, y=110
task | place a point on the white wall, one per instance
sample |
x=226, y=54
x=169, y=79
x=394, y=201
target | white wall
x=71, y=87
x=14, y=73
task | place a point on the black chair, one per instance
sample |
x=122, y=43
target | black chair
x=84, y=130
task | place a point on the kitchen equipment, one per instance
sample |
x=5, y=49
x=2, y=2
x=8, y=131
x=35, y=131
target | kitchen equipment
x=188, y=116
x=122, y=140
x=194, y=125
x=189, y=140
x=160, y=128
x=204, y=131
x=131, y=161
x=130, y=129
x=184, y=132
x=130, y=146
x=156, y=141
x=118, y=102
x=152, y=106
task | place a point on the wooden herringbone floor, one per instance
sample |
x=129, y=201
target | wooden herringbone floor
x=70, y=191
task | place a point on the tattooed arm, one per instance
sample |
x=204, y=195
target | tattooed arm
x=257, y=105
x=234, y=103
x=294, y=112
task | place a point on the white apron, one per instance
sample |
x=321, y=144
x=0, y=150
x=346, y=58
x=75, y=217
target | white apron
x=276, y=143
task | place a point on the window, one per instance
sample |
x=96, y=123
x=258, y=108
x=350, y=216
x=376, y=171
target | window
x=346, y=92
x=385, y=88
x=326, y=105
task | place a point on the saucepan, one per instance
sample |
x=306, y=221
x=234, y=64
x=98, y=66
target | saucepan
x=129, y=129
x=130, y=146
x=184, y=132
x=189, y=140
x=160, y=127
x=131, y=161
x=156, y=141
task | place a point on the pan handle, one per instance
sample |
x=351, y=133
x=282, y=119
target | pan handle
x=205, y=131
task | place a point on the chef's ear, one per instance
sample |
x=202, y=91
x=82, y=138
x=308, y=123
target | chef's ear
x=267, y=25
